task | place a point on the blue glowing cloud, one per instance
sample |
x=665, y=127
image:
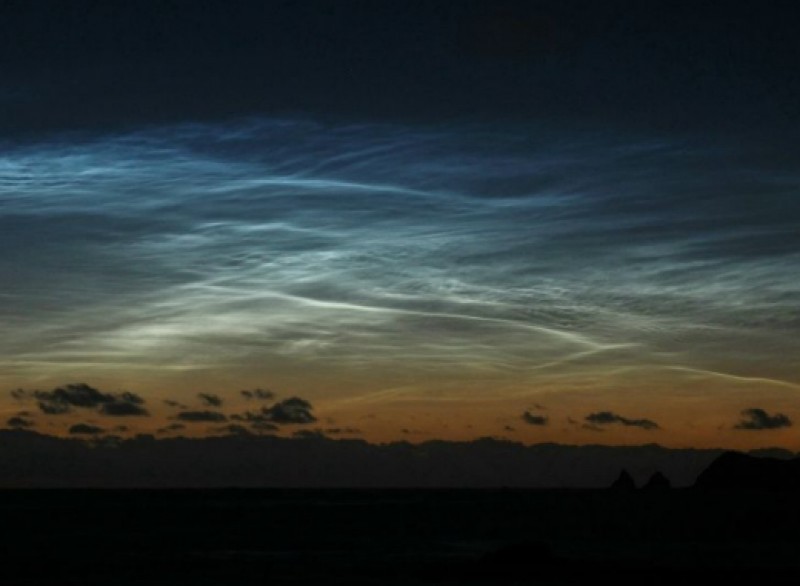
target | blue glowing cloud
x=458, y=249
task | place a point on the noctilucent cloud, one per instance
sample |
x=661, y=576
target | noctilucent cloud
x=410, y=281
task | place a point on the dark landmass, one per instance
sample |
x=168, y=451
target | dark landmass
x=738, y=471
x=392, y=537
x=624, y=481
x=396, y=537
x=31, y=460
x=658, y=482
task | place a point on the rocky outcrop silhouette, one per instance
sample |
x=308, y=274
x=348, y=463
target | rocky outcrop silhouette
x=657, y=482
x=738, y=471
x=624, y=481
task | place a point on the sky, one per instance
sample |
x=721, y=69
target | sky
x=560, y=222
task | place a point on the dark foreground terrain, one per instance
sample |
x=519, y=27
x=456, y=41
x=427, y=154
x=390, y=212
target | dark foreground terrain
x=397, y=537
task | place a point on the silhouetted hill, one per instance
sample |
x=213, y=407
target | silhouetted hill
x=29, y=459
x=624, y=481
x=735, y=470
x=657, y=482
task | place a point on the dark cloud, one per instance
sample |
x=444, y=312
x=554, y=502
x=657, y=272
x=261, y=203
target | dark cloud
x=290, y=411
x=122, y=409
x=19, y=422
x=210, y=400
x=75, y=395
x=260, y=394
x=264, y=426
x=172, y=427
x=758, y=419
x=195, y=416
x=608, y=418
x=85, y=429
x=236, y=429
x=18, y=394
x=509, y=428
x=132, y=398
x=171, y=403
x=62, y=399
x=53, y=408
x=257, y=420
x=532, y=419
x=309, y=434
x=343, y=431
x=287, y=412
x=592, y=427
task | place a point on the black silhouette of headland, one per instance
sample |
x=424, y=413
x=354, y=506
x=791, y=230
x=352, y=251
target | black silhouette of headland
x=738, y=471
x=746, y=533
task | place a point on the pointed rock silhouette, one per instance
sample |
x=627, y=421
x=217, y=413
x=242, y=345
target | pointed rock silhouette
x=624, y=481
x=657, y=482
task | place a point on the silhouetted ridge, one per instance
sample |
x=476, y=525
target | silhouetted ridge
x=734, y=470
x=657, y=482
x=624, y=481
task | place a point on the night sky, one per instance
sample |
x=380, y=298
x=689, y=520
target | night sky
x=573, y=222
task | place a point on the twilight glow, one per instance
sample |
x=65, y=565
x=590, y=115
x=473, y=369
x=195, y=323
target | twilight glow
x=417, y=282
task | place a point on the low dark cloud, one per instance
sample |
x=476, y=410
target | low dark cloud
x=309, y=434
x=260, y=394
x=210, y=400
x=290, y=411
x=195, y=416
x=343, y=431
x=85, y=429
x=532, y=419
x=132, y=398
x=236, y=429
x=18, y=394
x=757, y=419
x=257, y=420
x=62, y=399
x=19, y=422
x=172, y=427
x=122, y=409
x=608, y=418
x=75, y=395
x=53, y=408
x=264, y=426
x=175, y=404
x=592, y=427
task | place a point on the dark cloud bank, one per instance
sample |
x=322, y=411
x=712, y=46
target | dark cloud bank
x=608, y=418
x=31, y=459
x=82, y=396
x=756, y=419
x=532, y=419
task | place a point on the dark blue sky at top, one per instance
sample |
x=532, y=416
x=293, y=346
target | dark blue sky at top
x=664, y=66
